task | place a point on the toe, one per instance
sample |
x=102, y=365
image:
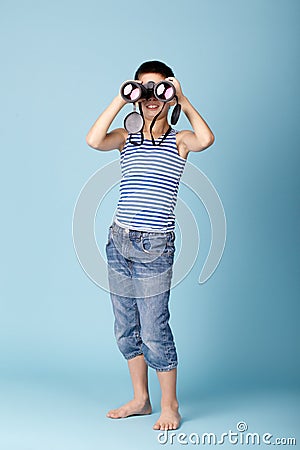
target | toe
x=113, y=414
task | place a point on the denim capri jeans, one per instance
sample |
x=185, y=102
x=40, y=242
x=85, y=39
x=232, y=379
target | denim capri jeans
x=140, y=268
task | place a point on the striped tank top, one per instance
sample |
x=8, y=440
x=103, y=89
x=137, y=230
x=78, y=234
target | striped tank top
x=149, y=184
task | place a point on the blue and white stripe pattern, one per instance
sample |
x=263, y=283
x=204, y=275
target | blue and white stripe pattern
x=149, y=184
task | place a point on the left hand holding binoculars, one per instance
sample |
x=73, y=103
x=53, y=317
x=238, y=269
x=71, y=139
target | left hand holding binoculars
x=178, y=88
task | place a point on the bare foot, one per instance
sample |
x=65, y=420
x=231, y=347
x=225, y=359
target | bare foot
x=169, y=419
x=132, y=408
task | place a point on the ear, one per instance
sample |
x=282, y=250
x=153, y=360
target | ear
x=172, y=102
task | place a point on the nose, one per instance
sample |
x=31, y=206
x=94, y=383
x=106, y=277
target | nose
x=150, y=95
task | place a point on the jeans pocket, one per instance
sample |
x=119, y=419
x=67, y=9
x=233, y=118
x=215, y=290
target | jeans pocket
x=145, y=245
x=153, y=245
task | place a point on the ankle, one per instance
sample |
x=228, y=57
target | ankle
x=142, y=398
x=173, y=404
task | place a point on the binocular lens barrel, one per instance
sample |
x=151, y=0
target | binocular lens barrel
x=164, y=91
x=131, y=91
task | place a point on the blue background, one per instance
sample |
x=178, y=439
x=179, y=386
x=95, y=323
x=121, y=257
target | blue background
x=237, y=335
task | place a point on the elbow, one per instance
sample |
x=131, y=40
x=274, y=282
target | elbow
x=211, y=140
x=87, y=141
x=208, y=142
x=90, y=142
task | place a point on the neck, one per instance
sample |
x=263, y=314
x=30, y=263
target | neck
x=158, y=129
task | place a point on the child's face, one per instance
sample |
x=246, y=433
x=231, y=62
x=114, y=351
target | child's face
x=152, y=106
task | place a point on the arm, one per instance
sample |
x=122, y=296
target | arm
x=201, y=137
x=98, y=136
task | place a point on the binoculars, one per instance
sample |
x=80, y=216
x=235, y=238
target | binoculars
x=131, y=91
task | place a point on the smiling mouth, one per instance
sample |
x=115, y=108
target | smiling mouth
x=152, y=106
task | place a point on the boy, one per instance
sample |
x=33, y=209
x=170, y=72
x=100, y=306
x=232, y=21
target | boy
x=140, y=247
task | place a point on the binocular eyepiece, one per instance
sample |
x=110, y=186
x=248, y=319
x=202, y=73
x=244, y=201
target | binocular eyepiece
x=164, y=91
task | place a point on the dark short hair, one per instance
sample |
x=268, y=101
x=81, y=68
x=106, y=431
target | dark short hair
x=154, y=67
